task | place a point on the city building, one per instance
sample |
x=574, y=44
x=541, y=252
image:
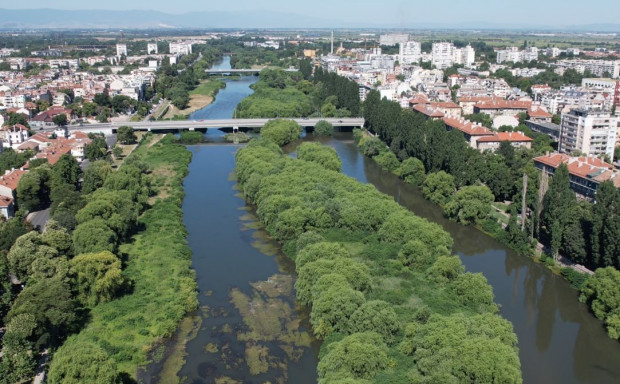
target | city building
x=443, y=55
x=608, y=68
x=393, y=39
x=121, y=50
x=593, y=133
x=492, y=143
x=513, y=54
x=180, y=48
x=585, y=173
x=410, y=52
x=151, y=48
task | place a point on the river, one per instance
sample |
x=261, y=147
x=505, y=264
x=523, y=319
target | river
x=559, y=340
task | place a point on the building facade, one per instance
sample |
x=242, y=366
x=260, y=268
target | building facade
x=593, y=133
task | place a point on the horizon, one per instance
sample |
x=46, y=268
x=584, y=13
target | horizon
x=553, y=14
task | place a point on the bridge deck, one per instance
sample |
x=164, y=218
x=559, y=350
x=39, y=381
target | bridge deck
x=216, y=123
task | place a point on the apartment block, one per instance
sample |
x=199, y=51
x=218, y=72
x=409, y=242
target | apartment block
x=393, y=38
x=121, y=49
x=410, y=52
x=592, y=132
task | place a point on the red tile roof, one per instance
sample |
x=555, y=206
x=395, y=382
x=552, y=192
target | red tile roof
x=584, y=167
x=538, y=112
x=430, y=112
x=504, y=104
x=11, y=178
x=505, y=136
x=5, y=201
x=467, y=127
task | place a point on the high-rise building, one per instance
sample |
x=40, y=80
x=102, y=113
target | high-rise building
x=393, y=38
x=443, y=55
x=151, y=48
x=593, y=133
x=121, y=50
x=180, y=48
x=410, y=52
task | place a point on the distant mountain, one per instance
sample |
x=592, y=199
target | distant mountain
x=139, y=19
x=246, y=19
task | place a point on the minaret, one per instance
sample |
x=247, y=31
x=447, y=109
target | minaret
x=332, y=42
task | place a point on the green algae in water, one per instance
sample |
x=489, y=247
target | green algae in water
x=226, y=328
x=269, y=317
x=257, y=358
x=212, y=348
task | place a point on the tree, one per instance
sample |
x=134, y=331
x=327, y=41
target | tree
x=473, y=289
x=281, y=131
x=79, y=362
x=416, y=255
x=60, y=119
x=16, y=118
x=117, y=152
x=323, y=128
x=53, y=307
x=126, y=135
x=438, y=187
x=470, y=204
x=19, y=360
x=446, y=268
x=375, y=316
x=98, y=277
x=358, y=356
x=332, y=308
x=557, y=205
x=66, y=171
x=606, y=226
x=320, y=154
x=33, y=190
x=601, y=294
x=95, y=176
x=96, y=149
x=94, y=236
x=412, y=171
x=457, y=348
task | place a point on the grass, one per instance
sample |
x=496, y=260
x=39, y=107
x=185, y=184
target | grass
x=208, y=88
x=158, y=265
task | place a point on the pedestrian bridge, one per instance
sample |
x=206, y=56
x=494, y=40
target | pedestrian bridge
x=232, y=124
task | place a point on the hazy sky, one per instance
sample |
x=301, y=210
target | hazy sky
x=397, y=12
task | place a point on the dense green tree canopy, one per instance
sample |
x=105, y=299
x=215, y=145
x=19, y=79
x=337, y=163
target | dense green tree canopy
x=281, y=131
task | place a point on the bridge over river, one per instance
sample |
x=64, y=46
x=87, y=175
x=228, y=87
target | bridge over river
x=249, y=71
x=191, y=125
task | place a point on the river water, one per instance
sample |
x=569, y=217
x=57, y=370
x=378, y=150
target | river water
x=240, y=274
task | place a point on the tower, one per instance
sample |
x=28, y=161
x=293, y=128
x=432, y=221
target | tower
x=332, y=50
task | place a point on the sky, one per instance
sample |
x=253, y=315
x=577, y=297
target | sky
x=395, y=12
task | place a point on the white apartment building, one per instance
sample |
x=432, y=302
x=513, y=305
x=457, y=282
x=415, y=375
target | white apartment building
x=409, y=53
x=442, y=55
x=151, y=48
x=597, y=67
x=552, y=52
x=593, y=133
x=180, y=48
x=393, y=38
x=121, y=50
x=514, y=55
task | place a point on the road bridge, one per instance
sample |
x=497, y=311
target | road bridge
x=233, y=124
x=240, y=71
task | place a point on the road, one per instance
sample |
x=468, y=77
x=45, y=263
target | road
x=215, y=123
x=39, y=218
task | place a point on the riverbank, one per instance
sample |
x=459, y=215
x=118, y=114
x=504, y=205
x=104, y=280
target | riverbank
x=202, y=96
x=158, y=267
